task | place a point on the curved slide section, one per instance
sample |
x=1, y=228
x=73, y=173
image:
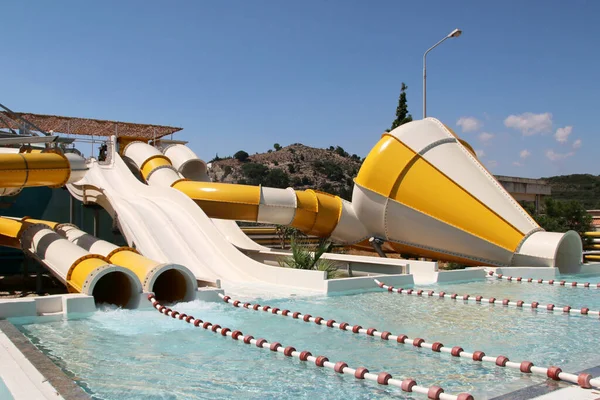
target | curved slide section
x=53, y=169
x=314, y=213
x=171, y=282
x=189, y=166
x=425, y=193
x=80, y=270
x=167, y=226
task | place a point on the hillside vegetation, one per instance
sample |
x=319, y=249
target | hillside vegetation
x=584, y=188
x=301, y=167
x=332, y=170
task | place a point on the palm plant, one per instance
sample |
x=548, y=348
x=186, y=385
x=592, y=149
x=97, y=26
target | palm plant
x=307, y=256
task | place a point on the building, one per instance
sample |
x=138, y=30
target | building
x=526, y=189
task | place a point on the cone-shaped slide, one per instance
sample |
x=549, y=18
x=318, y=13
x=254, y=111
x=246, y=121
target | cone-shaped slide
x=80, y=270
x=422, y=190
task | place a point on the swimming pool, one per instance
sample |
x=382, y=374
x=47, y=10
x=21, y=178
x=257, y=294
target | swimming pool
x=125, y=354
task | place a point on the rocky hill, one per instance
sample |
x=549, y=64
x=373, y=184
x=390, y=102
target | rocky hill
x=332, y=170
x=301, y=167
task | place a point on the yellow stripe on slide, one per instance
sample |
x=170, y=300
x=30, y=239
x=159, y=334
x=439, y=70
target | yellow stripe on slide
x=383, y=165
x=397, y=172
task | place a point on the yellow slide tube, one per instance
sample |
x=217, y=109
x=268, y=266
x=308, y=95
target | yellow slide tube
x=312, y=212
x=79, y=270
x=316, y=213
x=34, y=169
x=170, y=282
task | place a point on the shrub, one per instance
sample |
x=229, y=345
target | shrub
x=254, y=172
x=241, y=156
x=226, y=171
x=340, y=151
x=291, y=168
x=275, y=162
x=276, y=178
x=306, y=181
x=277, y=146
x=333, y=171
x=306, y=256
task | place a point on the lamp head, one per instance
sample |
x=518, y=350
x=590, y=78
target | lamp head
x=455, y=33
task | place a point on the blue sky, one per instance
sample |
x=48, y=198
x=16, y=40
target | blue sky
x=522, y=79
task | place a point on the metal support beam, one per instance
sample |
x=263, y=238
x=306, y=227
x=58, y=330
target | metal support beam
x=377, y=243
x=72, y=210
x=96, y=221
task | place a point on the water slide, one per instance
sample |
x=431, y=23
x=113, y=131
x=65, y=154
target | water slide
x=83, y=263
x=171, y=282
x=421, y=189
x=165, y=225
x=79, y=270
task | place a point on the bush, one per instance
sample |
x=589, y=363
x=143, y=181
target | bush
x=306, y=256
x=340, y=151
x=226, y=171
x=276, y=178
x=291, y=168
x=241, y=156
x=254, y=172
x=277, y=146
x=275, y=162
x=306, y=181
x=296, y=181
x=333, y=171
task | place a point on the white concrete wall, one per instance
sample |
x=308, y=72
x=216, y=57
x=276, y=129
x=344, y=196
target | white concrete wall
x=528, y=272
x=468, y=274
x=366, y=282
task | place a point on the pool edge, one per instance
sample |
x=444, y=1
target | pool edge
x=65, y=387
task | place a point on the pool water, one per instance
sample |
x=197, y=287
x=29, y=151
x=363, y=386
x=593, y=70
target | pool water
x=125, y=354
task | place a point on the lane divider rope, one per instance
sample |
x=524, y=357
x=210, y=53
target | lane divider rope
x=555, y=282
x=584, y=380
x=491, y=300
x=381, y=378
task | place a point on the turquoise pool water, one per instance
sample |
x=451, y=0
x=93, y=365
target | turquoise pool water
x=122, y=354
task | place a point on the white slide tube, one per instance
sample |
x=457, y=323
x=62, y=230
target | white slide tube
x=169, y=281
x=80, y=270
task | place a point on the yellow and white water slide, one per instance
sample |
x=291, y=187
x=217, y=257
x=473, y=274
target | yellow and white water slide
x=165, y=225
x=85, y=264
x=421, y=189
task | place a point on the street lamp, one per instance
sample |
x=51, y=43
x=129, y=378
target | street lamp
x=455, y=33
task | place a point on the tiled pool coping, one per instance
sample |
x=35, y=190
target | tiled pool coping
x=53, y=374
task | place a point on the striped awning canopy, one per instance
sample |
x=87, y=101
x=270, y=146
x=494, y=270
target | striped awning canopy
x=83, y=126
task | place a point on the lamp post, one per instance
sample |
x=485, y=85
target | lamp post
x=453, y=34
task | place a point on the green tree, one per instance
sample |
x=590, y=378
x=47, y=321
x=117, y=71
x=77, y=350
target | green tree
x=277, y=146
x=562, y=216
x=241, y=156
x=402, y=115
